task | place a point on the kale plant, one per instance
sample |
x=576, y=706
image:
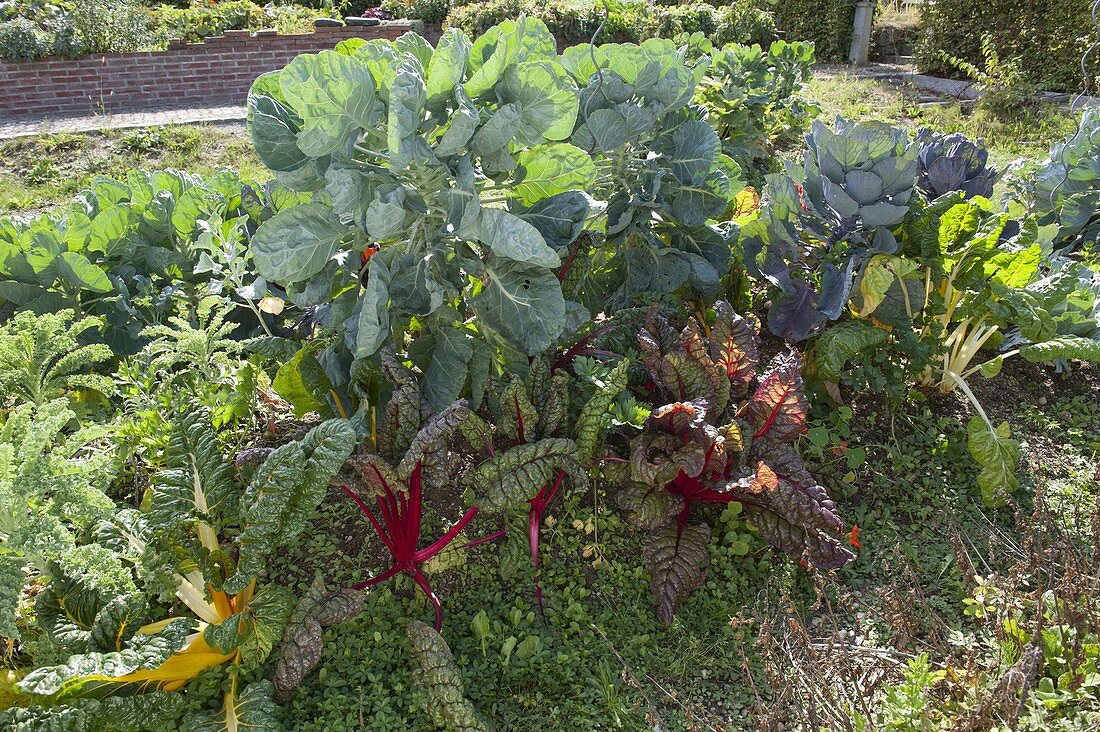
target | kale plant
x=205, y=538
x=43, y=357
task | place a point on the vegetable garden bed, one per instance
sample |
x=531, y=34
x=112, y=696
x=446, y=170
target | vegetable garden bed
x=507, y=401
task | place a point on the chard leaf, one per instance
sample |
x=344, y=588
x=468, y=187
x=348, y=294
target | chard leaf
x=998, y=455
x=137, y=713
x=734, y=345
x=252, y=710
x=881, y=273
x=676, y=559
x=333, y=93
x=593, y=418
x=437, y=674
x=778, y=408
x=793, y=513
x=283, y=493
x=524, y=303
x=296, y=243
x=547, y=170
x=646, y=506
x=84, y=673
x=511, y=478
x=1086, y=349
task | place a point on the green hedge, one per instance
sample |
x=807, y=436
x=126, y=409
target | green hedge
x=1047, y=38
x=574, y=22
x=828, y=23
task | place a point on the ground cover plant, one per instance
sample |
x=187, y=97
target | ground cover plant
x=497, y=399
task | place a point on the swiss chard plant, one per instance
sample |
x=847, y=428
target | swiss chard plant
x=204, y=539
x=824, y=220
x=535, y=439
x=965, y=277
x=721, y=433
x=410, y=449
x=445, y=195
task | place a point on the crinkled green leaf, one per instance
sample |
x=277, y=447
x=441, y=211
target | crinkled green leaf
x=437, y=674
x=593, y=418
x=514, y=476
x=253, y=710
x=1086, y=349
x=842, y=342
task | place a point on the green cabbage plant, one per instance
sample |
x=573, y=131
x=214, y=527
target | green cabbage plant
x=444, y=194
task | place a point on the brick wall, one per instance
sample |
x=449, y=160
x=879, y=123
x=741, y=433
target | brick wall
x=218, y=71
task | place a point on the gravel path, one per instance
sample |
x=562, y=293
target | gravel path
x=10, y=129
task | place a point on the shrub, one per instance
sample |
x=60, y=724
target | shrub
x=828, y=23
x=1047, y=38
x=635, y=21
x=114, y=25
x=22, y=40
x=429, y=11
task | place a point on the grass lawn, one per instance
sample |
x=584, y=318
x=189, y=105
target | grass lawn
x=1030, y=134
x=39, y=173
